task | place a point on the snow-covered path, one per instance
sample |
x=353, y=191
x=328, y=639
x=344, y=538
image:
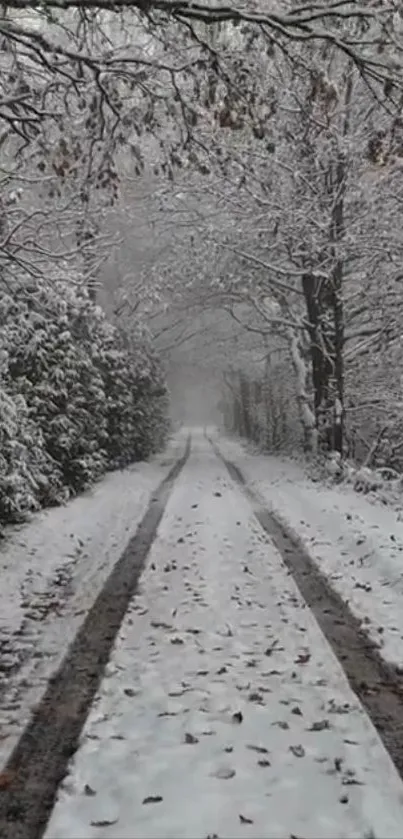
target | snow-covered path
x=51, y=571
x=223, y=711
x=357, y=542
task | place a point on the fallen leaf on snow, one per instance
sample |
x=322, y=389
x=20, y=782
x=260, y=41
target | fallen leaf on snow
x=298, y=751
x=190, y=738
x=224, y=773
x=274, y=648
x=255, y=697
x=281, y=724
x=350, y=781
x=261, y=749
x=244, y=819
x=320, y=725
x=334, y=708
x=161, y=625
x=302, y=658
x=152, y=799
x=103, y=822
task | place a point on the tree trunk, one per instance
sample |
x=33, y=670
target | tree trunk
x=324, y=305
x=244, y=392
x=307, y=416
x=336, y=232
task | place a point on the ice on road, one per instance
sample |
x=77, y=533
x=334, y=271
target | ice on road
x=223, y=711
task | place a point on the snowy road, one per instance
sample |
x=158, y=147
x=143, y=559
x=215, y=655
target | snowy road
x=51, y=571
x=223, y=711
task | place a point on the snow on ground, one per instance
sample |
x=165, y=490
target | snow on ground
x=51, y=571
x=223, y=711
x=357, y=543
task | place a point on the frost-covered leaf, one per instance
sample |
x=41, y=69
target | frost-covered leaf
x=224, y=773
x=298, y=751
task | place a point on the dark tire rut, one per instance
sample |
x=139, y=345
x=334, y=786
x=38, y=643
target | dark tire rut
x=379, y=686
x=40, y=759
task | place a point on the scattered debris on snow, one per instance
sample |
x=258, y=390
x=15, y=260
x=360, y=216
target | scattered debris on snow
x=356, y=542
x=240, y=773
x=51, y=572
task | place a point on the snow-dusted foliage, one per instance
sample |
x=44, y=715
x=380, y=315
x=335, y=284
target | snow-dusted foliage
x=136, y=397
x=75, y=400
x=28, y=478
x=263, y=409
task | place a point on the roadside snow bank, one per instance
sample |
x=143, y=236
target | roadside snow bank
x=356, y=542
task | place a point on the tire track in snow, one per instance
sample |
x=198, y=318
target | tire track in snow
x=378, y=685
x=29, y=781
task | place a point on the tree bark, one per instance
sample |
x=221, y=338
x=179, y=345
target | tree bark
x=307, y=417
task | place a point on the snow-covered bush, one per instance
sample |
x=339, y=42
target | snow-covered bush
x=28, y=476
x=74, y=399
